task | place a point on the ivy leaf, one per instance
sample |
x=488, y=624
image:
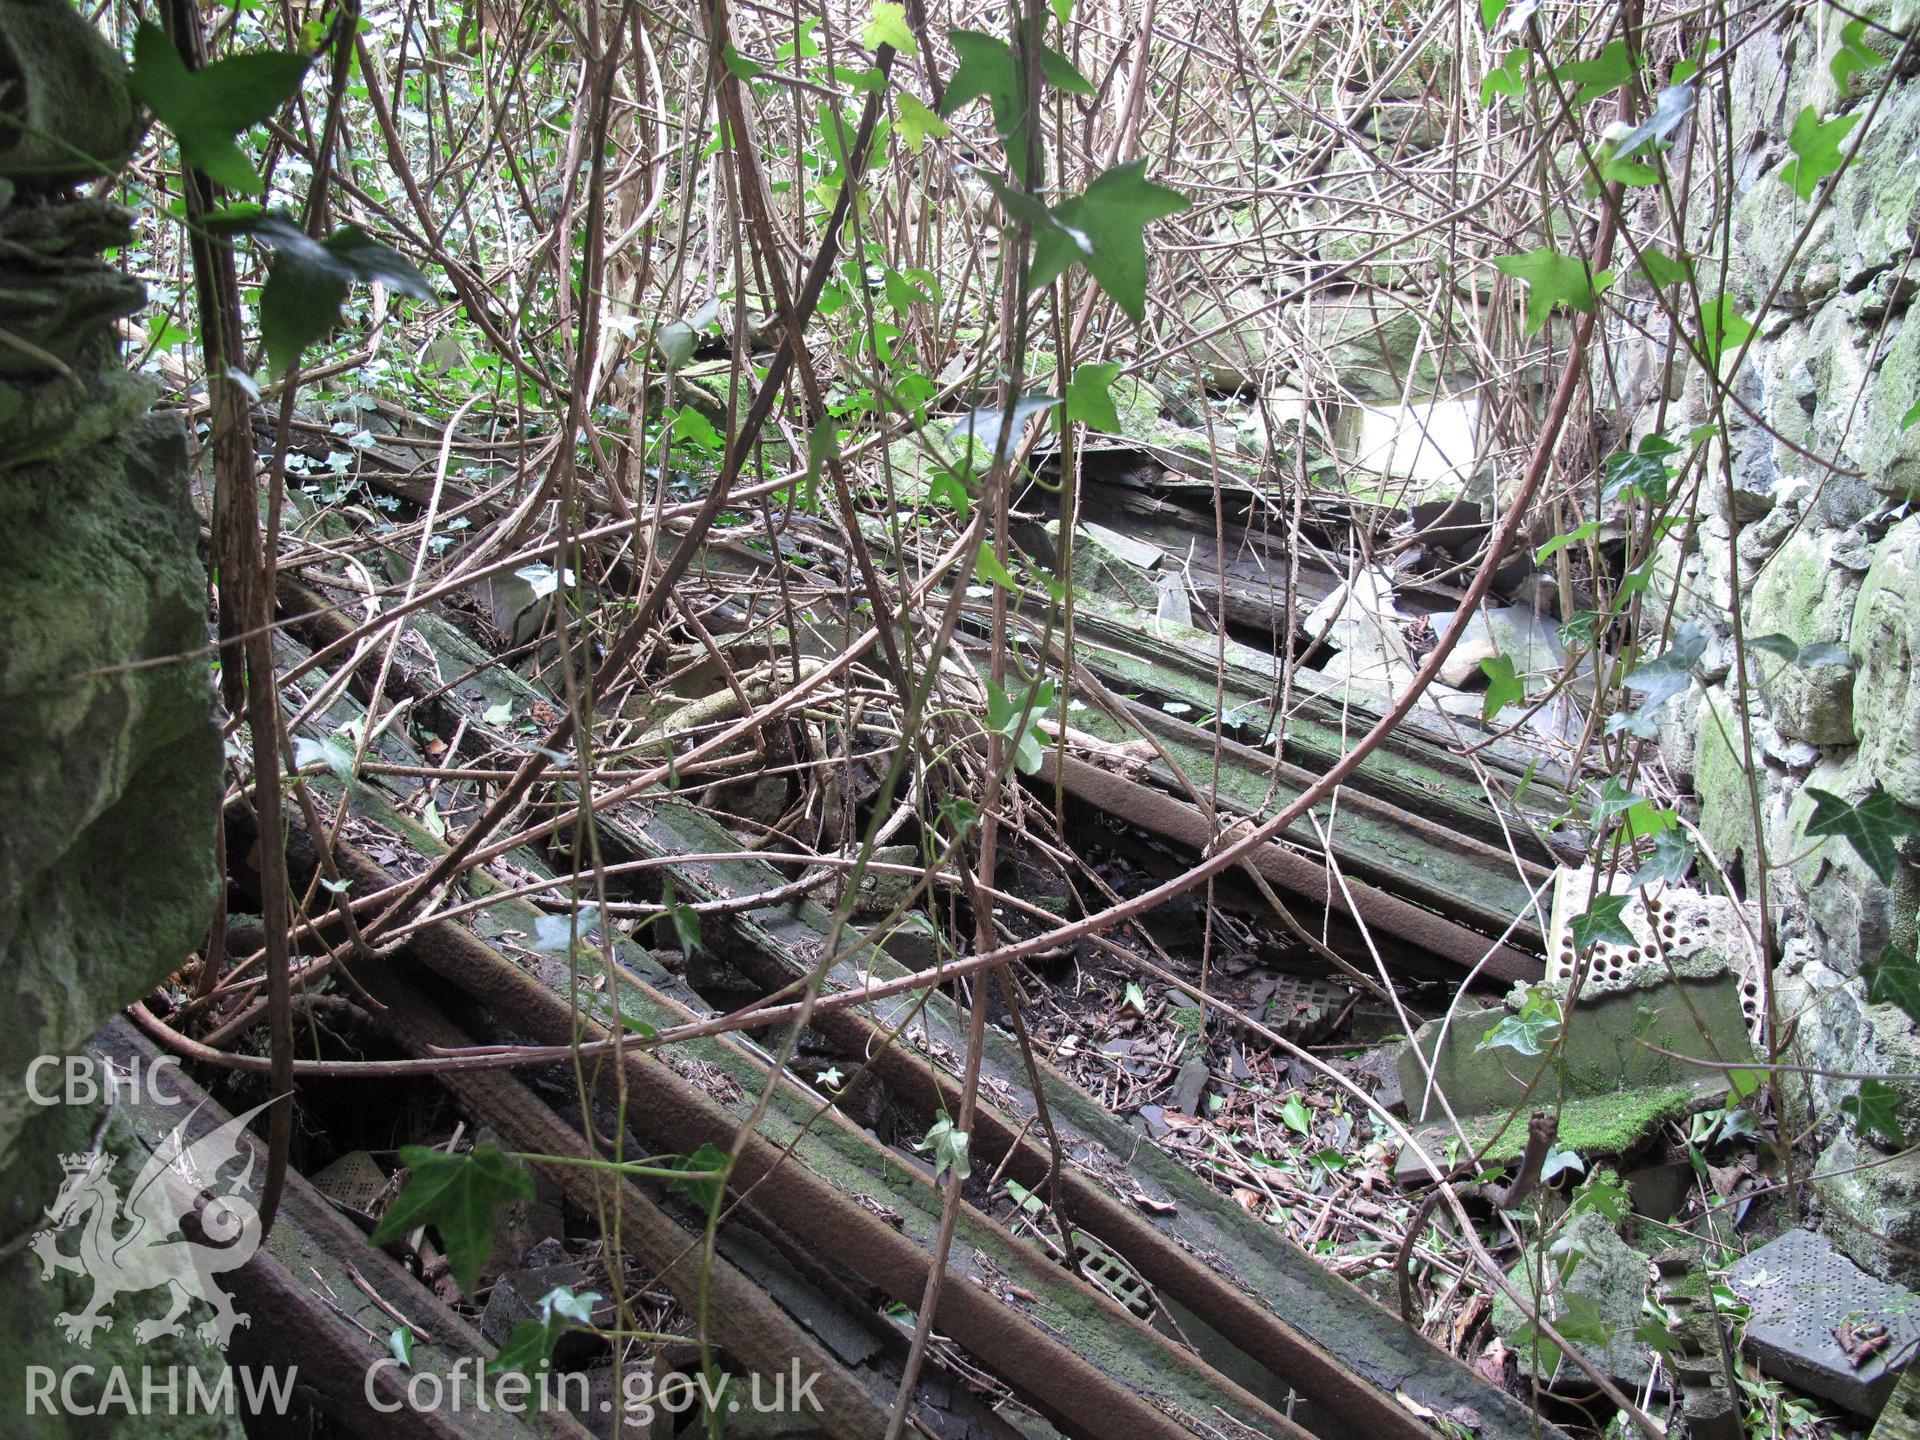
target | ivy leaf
x=1554, y=279
x=308, y=279
x=684, y=919
x=1723, y=329
x=960, y=814
x=1016, y=721
x=986, y=71
x=887, y=25
x=1854, y=55
x=400, y=1343
x=917, y=122
x=1504, y=688
x=1527, y=1031
x=947, y=488
x=1784, y=646
x=1894, y=979
x=988, y=567
x=529, y=1349
x=1604, y=1196
x=1816, y=150
x=555, y=933
x=1824, y=652
x=457, y=1195
x=1089, y=395
x=1911, y=418
x=1296, y=1115
x=950, y=1149
x=1112, y=216
x=1674, y=105
x=1585, y=530
x=989, y=430
x=1874, y=827
x=1665, y=676
x=703, y=1190
x=1060, y=73
x=1661, y=269
x=1672, y=858
x=1561, y=1162
x=1507, y=79
x=1874, y=1111
x=1602, y=922
x=1641, y=472
x=690, y=425
x=205, y=109
x=738, y=65
x=327, y=751
x=1603, y=74
x=1616, y=798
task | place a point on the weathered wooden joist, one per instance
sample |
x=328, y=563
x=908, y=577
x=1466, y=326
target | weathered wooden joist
x=324, y=1335
x=1309, y=1328
x=1064, y=1346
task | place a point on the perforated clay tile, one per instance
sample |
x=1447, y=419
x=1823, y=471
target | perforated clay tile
x=1802, y=1290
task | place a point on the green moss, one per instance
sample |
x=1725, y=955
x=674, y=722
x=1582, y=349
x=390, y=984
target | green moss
x=1593, y=1125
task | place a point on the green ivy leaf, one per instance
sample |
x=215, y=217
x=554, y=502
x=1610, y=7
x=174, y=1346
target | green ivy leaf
x=1661, y=269
x=703, y=1191
x=1894, y=979
x=1060, y=73
x=947, y=488
x=308, y=279
x=1853, y=56
x=918, y=124
x=987, y=430
x=738, y=65
x=1874, y=1109
x=205, y=109
x=1603, y=74
x=1585, y=530
x=327, y=751
x=1723, y=329
x=1666, y=675
x=1017, y=722
x=556, y=933
x=1504, y=688
x=683, y=917
x=457, y=1195
x=887, y=25
x=1874, y=827
x=1104, y=228
x=950, y=1149
x=1554, y=279
x=1784, y=646
x=986, y=71
x=529, y=1349
x=1508, y=79
x=1911, y=418
x=1603, y=922
x=400, y=1343
x=960, y=814
x=1296, y=1115
x=1670, y=109
x=1616, y=798
x=1527, y=1031
x=1672, y=858
x=1816, y=150
x=1090, y=398
x=988, y=567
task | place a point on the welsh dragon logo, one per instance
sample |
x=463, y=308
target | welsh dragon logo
x=132, y=1245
